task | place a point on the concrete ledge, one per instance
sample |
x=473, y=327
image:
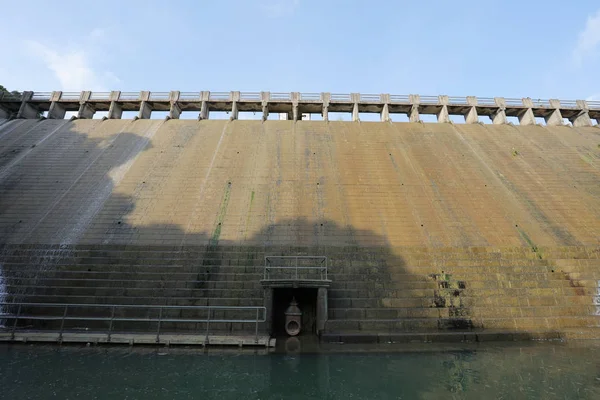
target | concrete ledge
x=139, y=339
x=448, y=337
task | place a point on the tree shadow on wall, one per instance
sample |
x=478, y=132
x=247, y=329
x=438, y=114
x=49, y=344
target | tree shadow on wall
x=67, y=235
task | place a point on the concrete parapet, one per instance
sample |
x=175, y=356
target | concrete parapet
x=555, y=118
x=499, y=115
x=413, y=116
x=526, y=116
x=86, y=111
x=145, y=107
x=471, y=116
x=264, y=99
x=27, y=110
x=115, y=111
x=385, y=112
x=175, y=110
x=583, y=116
x=355, y=98
x=326, y=99
x=86, y=103
x=443, y=115
x=57, y=110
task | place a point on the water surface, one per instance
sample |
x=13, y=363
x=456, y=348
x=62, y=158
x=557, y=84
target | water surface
x=499, y=371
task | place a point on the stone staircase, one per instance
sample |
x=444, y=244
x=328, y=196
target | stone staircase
x=375, y=291
x=152, y=276
x=546, y=293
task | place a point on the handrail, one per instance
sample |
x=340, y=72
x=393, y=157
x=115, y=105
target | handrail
x=259, y=317
x=70, y=95
x=41, y=96
x=129, y=96
x=457, y=100
x=429, y=99
x=340, y=97
x=100, y=96
x=513, y=102
x=321, y=268
x=486, y=101
x=310, y=96
x=281, y=96
x=223, y=96
x=399, y=98
x=370, y=97
x=250, y=96
x=188, y=96
x=164, y=96
x=541, y=103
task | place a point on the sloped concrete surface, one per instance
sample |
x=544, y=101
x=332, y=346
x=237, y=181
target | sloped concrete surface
x=429, y=227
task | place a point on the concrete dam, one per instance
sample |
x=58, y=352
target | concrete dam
x=205, y=230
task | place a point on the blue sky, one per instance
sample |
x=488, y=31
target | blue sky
x=541, y=49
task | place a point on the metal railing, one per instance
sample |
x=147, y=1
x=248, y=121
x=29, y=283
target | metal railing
x=593, y=103
x=307, y=97
x=100, y=96
x=164, y=96
x=190, y=96
x=258, y=312
x=291, y=266
x=486, y=101
x=399, y=98
x=340, y=97
x=511, y=102
x=250, y=96
x=429, y=99
x=457, y=100
x=129, y=96
x=41, y=96
x=310, y=96
x=219, y=96
x=69, y=96
x=281, y=96
x=541, y=103
x=370, y=98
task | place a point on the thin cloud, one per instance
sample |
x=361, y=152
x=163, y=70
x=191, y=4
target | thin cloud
x=594, y=97
x=589, y=40
x=279, y=8
x=72, y=68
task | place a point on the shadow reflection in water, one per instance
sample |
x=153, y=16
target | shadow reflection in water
x=542, y=370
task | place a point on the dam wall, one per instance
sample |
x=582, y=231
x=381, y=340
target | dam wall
x=427, y=227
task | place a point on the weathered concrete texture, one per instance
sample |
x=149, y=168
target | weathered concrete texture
x=428, y=226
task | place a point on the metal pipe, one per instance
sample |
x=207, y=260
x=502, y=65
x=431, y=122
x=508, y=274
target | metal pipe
x=12, y=336
x=62, y=324
x=112, y=317
x=158, y=330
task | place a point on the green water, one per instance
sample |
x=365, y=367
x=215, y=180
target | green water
x=511, y=371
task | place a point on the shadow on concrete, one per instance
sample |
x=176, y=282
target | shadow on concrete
x=70, y=219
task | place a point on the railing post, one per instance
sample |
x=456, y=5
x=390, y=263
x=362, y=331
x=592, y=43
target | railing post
x=62, y=324
x=158, y=329
x=110, y=326
x=12, y=336
x=256, y=329
x=583, y=117
x=207, y=325
x=296, y=268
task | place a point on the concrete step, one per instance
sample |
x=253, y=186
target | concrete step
x=444, y=324
x=446, y=312
x=256, y=291
x=138, y=300
x=141, y=283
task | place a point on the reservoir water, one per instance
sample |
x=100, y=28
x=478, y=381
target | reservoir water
x=422, y=371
